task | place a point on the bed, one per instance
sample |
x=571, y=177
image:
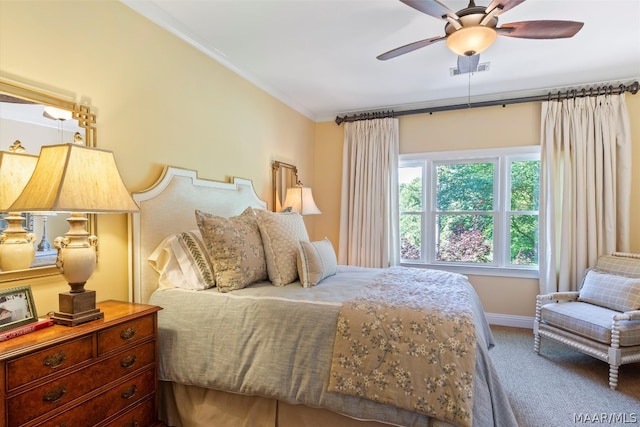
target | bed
x=315, y=351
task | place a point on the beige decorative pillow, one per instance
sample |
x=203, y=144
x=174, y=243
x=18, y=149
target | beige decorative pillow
x=235, y=248
x=281, y=234
x=316, y=261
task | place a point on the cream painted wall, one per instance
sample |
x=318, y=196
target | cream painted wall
x=158, y=101
x=328, y=179
x=489, y=127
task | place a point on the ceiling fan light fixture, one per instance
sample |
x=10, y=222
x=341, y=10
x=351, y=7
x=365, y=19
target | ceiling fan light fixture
x=471, y=40
x=55, y=113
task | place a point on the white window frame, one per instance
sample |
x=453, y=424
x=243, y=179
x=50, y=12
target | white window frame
x=502, y=158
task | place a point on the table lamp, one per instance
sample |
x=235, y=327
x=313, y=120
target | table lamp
x=16, y=244
x=77, y=179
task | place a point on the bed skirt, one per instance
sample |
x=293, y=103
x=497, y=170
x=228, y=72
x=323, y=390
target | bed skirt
x=192, y=406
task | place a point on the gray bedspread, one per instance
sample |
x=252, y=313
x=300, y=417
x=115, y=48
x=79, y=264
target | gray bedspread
x=277, y=342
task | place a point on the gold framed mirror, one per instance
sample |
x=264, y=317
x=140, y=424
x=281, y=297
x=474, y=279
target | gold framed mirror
x=31, y=118
x=284, y=176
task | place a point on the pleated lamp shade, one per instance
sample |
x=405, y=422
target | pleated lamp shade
x=301, y=200
x=75, y=178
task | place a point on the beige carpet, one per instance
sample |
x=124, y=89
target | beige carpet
x=562, y=387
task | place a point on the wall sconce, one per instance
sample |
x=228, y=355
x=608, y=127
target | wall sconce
x=77, y=179
x=16, y=244
x=300, y=199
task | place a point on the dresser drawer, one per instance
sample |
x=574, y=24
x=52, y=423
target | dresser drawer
x=125, y=333
x=142, y=415
x=109, y=403
x=52, y=360
x=63, y=390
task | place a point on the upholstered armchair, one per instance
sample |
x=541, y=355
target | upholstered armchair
x=602, y=319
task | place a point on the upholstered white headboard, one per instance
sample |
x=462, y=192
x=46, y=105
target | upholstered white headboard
x=168, y=207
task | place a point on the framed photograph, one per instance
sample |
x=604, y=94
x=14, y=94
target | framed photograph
x=17, y=307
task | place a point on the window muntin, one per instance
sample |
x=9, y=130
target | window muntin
x=471, y=209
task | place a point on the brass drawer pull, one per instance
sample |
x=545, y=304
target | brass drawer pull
x=55, y=394
x=129, y=392
x=55, y=360
x=128, y=333
x=128, y=361
x=63, y=424
x=133, y=423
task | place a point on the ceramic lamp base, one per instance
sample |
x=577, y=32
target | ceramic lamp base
x=16, y=245
x=77, y=308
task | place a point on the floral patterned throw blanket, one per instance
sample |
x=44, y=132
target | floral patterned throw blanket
x=409, y=341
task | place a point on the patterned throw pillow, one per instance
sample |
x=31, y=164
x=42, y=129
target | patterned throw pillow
x=316, y=261
x=618, y=293
x=281, y=234
x=193, y=257
x=235, y=249
x=183, y=262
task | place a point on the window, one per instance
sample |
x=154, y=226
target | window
x=473, y=211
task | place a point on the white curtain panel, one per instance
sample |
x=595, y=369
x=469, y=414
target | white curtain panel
x=369, y=217
x=585, y=186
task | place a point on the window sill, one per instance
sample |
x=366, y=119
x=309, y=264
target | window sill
x=480, y=271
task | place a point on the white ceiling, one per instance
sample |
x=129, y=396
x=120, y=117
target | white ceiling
x=319, y=56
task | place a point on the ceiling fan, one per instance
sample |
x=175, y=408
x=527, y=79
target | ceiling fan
x=473, y=29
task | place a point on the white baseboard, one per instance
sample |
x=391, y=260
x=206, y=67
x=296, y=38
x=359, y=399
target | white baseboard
x=510, y=320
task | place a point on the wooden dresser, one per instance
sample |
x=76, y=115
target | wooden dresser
x=100, y=373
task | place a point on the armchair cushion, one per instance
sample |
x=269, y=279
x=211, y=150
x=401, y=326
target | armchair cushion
x=590, y=321
x=612, y=291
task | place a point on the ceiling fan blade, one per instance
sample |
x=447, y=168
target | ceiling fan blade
x=431, y=7
x=409, y=48
x=503, y=4
x=468, y=64
x=540, y=29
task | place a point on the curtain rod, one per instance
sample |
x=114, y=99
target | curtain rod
x=633, y=88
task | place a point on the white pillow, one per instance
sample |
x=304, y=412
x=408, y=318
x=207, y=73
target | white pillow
x=316, y=261
x=618, y=293
x=183, y=262
x=281, y=234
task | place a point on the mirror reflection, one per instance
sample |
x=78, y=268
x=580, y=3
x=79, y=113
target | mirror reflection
x=284, y=176
x=30, y=119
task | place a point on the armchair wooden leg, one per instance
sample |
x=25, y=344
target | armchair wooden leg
x=613, y=376
x=615, y=354
x=536, y=326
